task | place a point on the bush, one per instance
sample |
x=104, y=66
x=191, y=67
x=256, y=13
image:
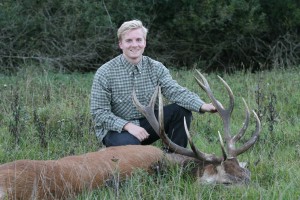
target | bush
x=213, y=35
x=72, y=35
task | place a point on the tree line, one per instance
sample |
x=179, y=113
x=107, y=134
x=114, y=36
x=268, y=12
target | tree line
x=80, y=35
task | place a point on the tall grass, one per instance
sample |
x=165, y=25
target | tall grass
x=45, y=115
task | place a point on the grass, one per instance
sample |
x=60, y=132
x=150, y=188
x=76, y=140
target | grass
x=45, y=115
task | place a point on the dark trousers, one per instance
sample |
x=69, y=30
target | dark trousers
x=173, y=123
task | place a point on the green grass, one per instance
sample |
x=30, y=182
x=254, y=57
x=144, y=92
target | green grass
x=45, y=115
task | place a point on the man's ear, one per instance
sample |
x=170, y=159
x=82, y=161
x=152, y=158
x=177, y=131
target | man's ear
x=120, y=44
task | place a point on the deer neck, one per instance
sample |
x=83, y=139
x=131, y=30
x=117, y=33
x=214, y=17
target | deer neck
x=195, y=167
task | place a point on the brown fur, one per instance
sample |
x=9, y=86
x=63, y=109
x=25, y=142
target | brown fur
x=66, y=177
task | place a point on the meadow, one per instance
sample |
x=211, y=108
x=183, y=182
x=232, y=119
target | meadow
x=45, y=115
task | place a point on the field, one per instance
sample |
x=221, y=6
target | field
x=45, y=115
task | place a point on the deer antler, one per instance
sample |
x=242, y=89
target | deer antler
x=225, y=116
x=148, y=112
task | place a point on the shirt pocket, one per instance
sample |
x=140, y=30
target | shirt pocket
x=122, y=104
x=147, y=95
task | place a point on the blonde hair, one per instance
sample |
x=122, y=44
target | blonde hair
x=130, y=25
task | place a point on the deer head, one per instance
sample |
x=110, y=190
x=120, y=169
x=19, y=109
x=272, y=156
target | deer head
x=223, y=169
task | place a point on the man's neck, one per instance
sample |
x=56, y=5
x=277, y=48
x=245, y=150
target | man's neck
x=133, y=61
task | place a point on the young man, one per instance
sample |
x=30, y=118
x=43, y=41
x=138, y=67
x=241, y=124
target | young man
x=117, y=121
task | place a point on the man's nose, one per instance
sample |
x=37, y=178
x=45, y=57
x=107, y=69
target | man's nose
x=134, y=43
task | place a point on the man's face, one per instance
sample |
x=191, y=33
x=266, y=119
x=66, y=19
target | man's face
x=133, y=44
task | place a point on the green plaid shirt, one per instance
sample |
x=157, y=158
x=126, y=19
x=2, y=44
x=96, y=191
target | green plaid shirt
x=111, y=96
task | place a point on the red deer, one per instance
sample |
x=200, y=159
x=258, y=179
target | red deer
x=69, y=176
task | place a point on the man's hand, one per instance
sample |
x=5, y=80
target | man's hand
x=140, y=133
x=208, y=107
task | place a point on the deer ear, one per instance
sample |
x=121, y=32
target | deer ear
x=243, y=164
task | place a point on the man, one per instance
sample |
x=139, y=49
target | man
x=117, y=121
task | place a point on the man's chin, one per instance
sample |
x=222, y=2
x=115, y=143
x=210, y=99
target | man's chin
x=134, y=57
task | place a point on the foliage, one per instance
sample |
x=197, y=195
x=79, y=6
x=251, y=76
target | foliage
x=214, y=33
x=80, y=35
x=67, y=34
x=282, y=16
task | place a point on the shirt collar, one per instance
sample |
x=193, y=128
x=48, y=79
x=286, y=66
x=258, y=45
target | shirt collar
x=131, y=68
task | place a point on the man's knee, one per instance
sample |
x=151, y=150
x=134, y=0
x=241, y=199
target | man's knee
x=120, y=139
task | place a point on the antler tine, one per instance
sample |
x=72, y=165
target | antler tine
x=162, y=134
x=245, y=124
x=205, y=86
x=201, y=155
x=222, y=146
x=252, y=140
x=148, y=111
x=231, y=97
